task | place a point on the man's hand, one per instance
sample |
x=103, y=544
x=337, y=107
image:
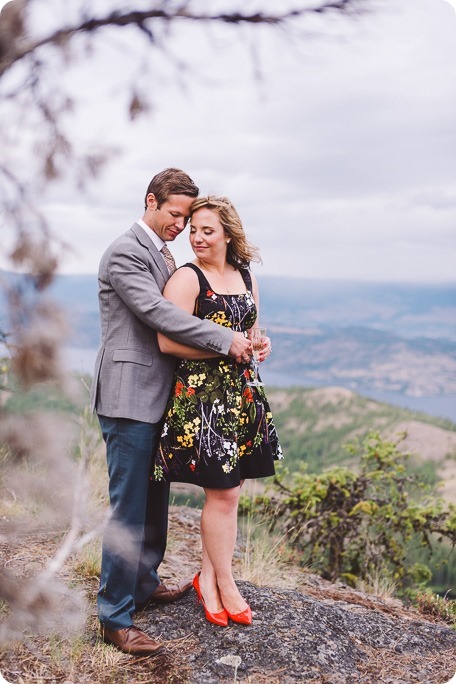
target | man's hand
x=241, y=348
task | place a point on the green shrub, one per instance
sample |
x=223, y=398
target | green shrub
x=352, y=524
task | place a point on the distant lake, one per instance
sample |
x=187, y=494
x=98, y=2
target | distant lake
x=440, y=406
x=82, y=361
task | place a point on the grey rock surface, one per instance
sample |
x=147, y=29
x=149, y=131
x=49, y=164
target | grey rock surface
x=297, y=638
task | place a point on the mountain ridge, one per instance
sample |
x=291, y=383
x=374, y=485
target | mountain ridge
x=314, y=425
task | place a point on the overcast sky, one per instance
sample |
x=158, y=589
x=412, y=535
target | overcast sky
x=340, y=156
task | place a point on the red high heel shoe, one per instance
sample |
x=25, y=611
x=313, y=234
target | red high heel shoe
x=244, y=618
x=221, y=618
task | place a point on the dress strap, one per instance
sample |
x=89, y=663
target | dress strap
x=205, y=284
x=203, y=281
x=247, y=277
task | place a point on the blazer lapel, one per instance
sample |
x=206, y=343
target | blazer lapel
x=146, y=241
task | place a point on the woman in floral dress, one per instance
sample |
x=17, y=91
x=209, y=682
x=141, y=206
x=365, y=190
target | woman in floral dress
x=218, y=429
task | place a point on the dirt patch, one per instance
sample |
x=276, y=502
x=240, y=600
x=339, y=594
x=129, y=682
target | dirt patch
x=428, y=442
x=330, y=395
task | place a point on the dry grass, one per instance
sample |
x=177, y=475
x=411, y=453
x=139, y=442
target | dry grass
x=379, y=583
x=380, y=667
x=87, y=564
x=439, y=607
x=264, y=558
x=90, y=662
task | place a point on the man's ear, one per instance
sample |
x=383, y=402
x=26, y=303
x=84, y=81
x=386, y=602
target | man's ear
x=151, y=201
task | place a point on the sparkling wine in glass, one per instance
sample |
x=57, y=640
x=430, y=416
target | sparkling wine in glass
x=256, y=336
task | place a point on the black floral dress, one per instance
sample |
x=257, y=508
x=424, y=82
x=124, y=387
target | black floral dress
x=218, y=430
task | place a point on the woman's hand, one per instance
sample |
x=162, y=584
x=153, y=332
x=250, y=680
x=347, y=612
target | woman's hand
x=241, y=348
x=266, y=350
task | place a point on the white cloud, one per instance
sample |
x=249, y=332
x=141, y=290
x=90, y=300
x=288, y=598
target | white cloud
x=340, y=159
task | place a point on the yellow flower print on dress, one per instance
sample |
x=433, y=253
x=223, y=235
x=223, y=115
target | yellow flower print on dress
x=220, y=318
x=196, y=379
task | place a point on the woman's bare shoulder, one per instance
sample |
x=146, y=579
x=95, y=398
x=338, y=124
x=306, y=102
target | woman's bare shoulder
x=184, y=279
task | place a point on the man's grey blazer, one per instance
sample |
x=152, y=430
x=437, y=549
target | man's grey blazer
x=132, y=378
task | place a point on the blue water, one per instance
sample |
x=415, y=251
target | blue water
x=440, y=406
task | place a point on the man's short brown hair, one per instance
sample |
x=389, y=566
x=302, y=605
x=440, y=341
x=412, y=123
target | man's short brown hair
x=171, y=182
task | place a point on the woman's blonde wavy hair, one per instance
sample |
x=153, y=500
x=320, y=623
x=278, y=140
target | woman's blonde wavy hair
x=240, y=251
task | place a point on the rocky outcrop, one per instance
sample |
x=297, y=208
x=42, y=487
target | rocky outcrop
x=297, y=638
x=316, y=632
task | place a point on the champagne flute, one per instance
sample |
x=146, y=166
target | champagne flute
x=256, y=336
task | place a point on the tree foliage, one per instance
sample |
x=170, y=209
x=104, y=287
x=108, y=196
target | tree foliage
x=354, y=524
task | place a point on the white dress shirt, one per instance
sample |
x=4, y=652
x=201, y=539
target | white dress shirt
x=158, y=242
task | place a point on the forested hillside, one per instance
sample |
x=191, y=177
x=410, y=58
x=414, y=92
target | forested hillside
x=315, y=424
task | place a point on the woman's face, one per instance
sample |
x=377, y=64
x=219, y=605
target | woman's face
x=207, y=236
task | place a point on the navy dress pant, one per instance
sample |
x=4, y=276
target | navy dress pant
x=135, y=540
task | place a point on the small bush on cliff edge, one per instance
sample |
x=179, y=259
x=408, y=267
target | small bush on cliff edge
x=436, y=606
x=349, y=525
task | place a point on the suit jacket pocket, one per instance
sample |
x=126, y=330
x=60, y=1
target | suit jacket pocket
x=132, y=356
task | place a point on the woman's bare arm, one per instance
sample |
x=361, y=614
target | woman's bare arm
x=182, y=289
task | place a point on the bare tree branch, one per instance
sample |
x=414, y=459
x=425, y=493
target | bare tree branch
x=140, y=18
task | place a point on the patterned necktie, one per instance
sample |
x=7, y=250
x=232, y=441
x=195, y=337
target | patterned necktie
x=168, y=257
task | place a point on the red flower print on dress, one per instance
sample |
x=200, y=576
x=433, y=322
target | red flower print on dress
x=247, y=393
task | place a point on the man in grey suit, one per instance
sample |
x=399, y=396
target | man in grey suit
x=132, y=381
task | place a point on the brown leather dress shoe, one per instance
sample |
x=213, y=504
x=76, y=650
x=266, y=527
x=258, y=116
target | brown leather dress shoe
x=131, y=640
x=164, y=594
